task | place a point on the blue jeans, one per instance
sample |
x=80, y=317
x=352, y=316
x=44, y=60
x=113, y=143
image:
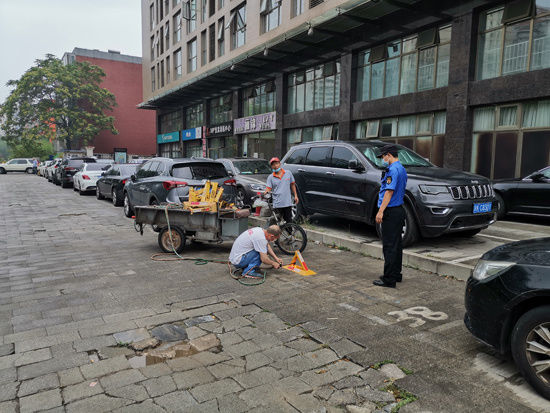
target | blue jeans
x=249, y=260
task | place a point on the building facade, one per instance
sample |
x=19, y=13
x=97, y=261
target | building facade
x=122, y=78
x=465, y=84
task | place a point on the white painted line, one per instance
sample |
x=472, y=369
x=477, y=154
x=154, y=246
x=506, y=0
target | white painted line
x=495, y=237
x=348, y=307
x=467, y=258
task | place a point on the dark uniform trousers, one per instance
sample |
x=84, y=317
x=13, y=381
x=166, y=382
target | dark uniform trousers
x=392, y=227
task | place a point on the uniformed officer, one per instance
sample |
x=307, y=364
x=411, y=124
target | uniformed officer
x=391, y=215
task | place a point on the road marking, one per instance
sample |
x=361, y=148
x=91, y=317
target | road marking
x=495, y=237
x=348, y=307
x=423, y=312
x=467, y=258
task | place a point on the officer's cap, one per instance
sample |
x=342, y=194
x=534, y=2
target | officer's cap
x=391, y=149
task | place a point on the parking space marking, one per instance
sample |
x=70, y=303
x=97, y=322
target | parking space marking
x=423, y=312
x=472, y=257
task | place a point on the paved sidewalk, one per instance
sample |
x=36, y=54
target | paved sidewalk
x=75, y=275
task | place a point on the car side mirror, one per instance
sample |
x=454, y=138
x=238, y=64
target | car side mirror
x=133, y=178
x=230, y=173
x=355, y=165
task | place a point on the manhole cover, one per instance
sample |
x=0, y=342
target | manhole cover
x=169, y=332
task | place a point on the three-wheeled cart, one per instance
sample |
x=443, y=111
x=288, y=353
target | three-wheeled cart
x=223, y=225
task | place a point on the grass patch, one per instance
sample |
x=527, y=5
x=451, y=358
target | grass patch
x=405, y=370
x=381, y=363
x=402, y=397
x=122, y=344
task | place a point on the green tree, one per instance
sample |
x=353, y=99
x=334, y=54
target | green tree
x=56, y=101
x=40, y=149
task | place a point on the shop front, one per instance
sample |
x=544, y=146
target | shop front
x=220, y=141
x=193, y=143
x=258, y=134
x=168, y=145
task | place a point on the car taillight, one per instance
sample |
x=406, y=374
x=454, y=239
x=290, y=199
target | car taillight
x=230, y=182
x=69, y=168
x=85, y=177
x=168, y=185
x=55, y=167
x=124, y=182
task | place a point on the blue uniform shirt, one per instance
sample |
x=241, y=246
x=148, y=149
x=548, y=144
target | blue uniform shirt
x=394, y=179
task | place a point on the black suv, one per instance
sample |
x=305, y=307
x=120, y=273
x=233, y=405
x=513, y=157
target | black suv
x=168, y=180
x=343, y=179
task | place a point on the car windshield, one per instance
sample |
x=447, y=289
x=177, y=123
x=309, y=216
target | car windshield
x=252, y=167
x=406, y=156
x=199, y=171
x=128, y=169
x=95, y=167
x=75, y=164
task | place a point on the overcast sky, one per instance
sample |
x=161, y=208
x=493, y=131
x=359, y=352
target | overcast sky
x=29, y=29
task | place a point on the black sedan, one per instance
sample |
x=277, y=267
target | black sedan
x=111, y=184
x=529, y=195
x=508, y=306
x=250, y=174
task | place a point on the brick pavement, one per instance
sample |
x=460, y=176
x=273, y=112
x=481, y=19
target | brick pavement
x=74, y=273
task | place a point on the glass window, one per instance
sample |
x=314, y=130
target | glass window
x=220, y=110
x=319, y=156
x=426, y=68
x=191, y=15
x=177, y=64
x=204, y=48
x=194, y=116
x=238, y=26
x=298, y=7
x=407, y=126
x=171, y=122
x=297, y=157
x=177, y=27
x=508, y=116
x=221, y=37
x=540, y=52
x=516, y=46
x=192, y=56
x=408, y=73
x=153, y=86
x=259, y=99
x=270, y=11
x=484, y=119
x=316, y=88
x=341, y=157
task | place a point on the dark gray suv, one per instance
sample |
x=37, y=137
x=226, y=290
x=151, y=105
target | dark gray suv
x=162, y=180
x=343, y=179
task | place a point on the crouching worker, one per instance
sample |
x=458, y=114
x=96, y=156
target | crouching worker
x=252, y=248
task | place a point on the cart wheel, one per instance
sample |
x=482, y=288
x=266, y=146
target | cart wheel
x=178, y=238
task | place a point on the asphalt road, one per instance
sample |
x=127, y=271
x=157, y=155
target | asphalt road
x=74, y=268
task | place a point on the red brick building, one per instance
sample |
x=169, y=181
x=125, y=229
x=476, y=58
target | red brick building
x=122, y=78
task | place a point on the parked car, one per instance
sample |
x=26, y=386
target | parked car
x=529, y=195
x=343, y=179
x=51, y=169
x=85, y=178
x=168, y=180
x=251, y=176
x=111, y=184
x=42, y=168
x=508, y=306
x=16, y=165
x=105, y=161
x=64, y=173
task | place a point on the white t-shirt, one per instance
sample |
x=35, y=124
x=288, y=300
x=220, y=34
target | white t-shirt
x=252, y=239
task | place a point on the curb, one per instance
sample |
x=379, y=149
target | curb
x=374, y=250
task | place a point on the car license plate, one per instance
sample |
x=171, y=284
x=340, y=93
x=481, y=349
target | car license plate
x=483, y=207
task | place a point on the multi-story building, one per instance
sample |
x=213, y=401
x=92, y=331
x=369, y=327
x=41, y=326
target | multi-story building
x=465, y=84
x=122, y=78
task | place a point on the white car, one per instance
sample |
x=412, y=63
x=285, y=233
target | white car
x=50, y=170
x=86, y=178
x=42, y=168
x=16, y=165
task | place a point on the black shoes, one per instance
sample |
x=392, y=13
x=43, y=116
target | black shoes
x=381, y=283
x=398, y=279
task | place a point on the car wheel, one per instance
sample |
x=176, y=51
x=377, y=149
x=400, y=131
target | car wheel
x=2, y=171
x=530, y=343
x=28, y=170
x=501, y=210
x=115, y=198
x=74, y=187
x=98, y=193
x=409, y=234
x=128, y=210
x=177, y=241
x=240, y=198
x=65, y=184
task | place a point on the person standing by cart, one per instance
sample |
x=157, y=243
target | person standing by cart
x=282, y=185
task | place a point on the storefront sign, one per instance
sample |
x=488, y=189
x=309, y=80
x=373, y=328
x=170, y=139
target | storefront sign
x=256, y=123
x=168, y=137
x=224, y=129
x=190, y=134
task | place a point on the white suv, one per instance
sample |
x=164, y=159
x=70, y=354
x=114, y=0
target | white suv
x=16, y=165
